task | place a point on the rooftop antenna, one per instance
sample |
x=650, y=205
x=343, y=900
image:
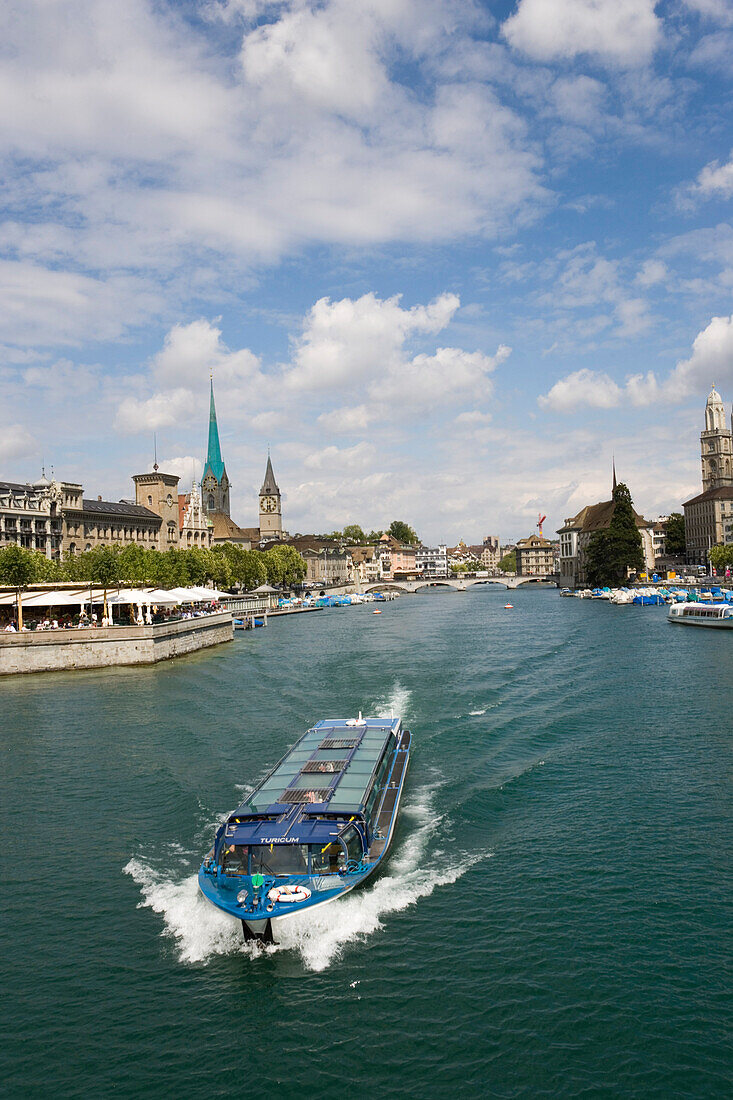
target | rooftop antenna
x=155, y=452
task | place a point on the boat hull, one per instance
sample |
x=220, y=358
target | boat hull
x=724, y=624
x=260, y=920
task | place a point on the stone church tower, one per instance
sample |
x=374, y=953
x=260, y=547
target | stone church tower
x=716, y=445
x=214, y=481
x=159, y=492
x=271, y=513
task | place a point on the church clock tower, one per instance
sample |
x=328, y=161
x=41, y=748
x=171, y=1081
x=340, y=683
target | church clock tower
x=271, y=518
x=716, y=445
x=214, y=480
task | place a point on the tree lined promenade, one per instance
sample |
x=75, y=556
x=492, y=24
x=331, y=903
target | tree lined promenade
x=223, y=566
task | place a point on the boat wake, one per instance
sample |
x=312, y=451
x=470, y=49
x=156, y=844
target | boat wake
x=397, y=702
x=201, y=932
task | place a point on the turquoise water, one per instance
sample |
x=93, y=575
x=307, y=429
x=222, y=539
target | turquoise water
x=554, y=919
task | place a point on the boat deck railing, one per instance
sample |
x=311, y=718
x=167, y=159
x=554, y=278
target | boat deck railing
x=389, y=800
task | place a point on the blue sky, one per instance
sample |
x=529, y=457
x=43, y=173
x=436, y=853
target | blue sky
x=444, y=257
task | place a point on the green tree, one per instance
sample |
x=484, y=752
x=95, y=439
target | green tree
x=220, y=570
x=374, y=536
x=721, y=557
x=134, y=567
x=104, y=569
x=354, y=533
x=613, y=552
x=284, y=565
x=254, y=571
x=597, y=555
x=403, y=532
x=246, y=566
x=508, y=563
x=19, y=568
x=676, y=543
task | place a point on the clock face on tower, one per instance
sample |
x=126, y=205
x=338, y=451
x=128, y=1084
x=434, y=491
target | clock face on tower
x=268, y=504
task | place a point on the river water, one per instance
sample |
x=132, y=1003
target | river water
x=554, y=919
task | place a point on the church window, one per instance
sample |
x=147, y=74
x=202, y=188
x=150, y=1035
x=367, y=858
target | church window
x=211, y=501
x=150, y=500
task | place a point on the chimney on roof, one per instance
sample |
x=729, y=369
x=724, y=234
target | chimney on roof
x=99, y=497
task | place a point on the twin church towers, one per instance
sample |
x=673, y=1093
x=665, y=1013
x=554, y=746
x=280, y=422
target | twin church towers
x=215, y=492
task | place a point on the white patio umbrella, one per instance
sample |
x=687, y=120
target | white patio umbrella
x=57, y=598
x=160, y=595
x=183, y=595
x=207, y=593
x=127, y=595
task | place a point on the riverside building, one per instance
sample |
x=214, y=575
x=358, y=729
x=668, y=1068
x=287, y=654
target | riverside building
x=55, y=518
x=431, y=561
x=709, y=515
x=195, y=527
x=576, y=533
x=535, y=557
x=31, y=517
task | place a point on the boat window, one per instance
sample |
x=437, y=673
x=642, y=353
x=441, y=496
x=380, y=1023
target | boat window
x=278, y=859
x=234, y=859
x=377, y=787
x=352, y=840
x=326, y=859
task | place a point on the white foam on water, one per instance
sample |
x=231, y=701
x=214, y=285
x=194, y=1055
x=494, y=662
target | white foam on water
x=475, y=713
x=397, y=703
x=201, y=931
x=321, y=935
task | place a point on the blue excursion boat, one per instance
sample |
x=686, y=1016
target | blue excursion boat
x=317, y=826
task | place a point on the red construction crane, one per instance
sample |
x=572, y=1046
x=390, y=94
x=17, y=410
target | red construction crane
x=540, y=521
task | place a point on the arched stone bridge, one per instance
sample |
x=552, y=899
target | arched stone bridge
x=458, y=583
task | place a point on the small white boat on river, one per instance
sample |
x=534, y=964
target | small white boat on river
x=695, y=614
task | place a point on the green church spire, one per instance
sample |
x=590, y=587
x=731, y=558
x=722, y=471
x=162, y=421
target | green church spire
x=214, y=462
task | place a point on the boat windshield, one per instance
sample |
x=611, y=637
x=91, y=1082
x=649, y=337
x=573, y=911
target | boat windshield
x=354, y=847
x=278, y=859
x=327, y=859
x=234, y=859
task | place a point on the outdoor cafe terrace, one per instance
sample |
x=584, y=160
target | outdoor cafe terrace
x=58, y=607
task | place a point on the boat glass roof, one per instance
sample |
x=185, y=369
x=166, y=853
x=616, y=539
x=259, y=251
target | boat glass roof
x=332, y=765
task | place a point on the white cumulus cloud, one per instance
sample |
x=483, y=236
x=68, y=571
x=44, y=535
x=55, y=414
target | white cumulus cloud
x=621, y=32
x=16, y=442
x=159, y=411
x=711, y=361
x=715, y=179
x=450, y=374
x=582, y=389
x=348, y=341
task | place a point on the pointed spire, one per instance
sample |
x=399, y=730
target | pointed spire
x=213, y=458
x=269, y=485
x=614, y=473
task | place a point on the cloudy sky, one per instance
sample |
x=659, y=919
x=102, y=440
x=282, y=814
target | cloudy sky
x=444, y=256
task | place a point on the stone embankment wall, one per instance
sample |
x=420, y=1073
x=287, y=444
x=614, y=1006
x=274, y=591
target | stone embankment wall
x=62, y=650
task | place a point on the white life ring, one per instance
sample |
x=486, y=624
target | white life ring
x=289, y=893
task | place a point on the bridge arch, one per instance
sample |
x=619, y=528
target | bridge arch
x=458, y=583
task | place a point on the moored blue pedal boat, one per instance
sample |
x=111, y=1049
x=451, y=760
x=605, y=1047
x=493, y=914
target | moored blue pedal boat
x=317, y=826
